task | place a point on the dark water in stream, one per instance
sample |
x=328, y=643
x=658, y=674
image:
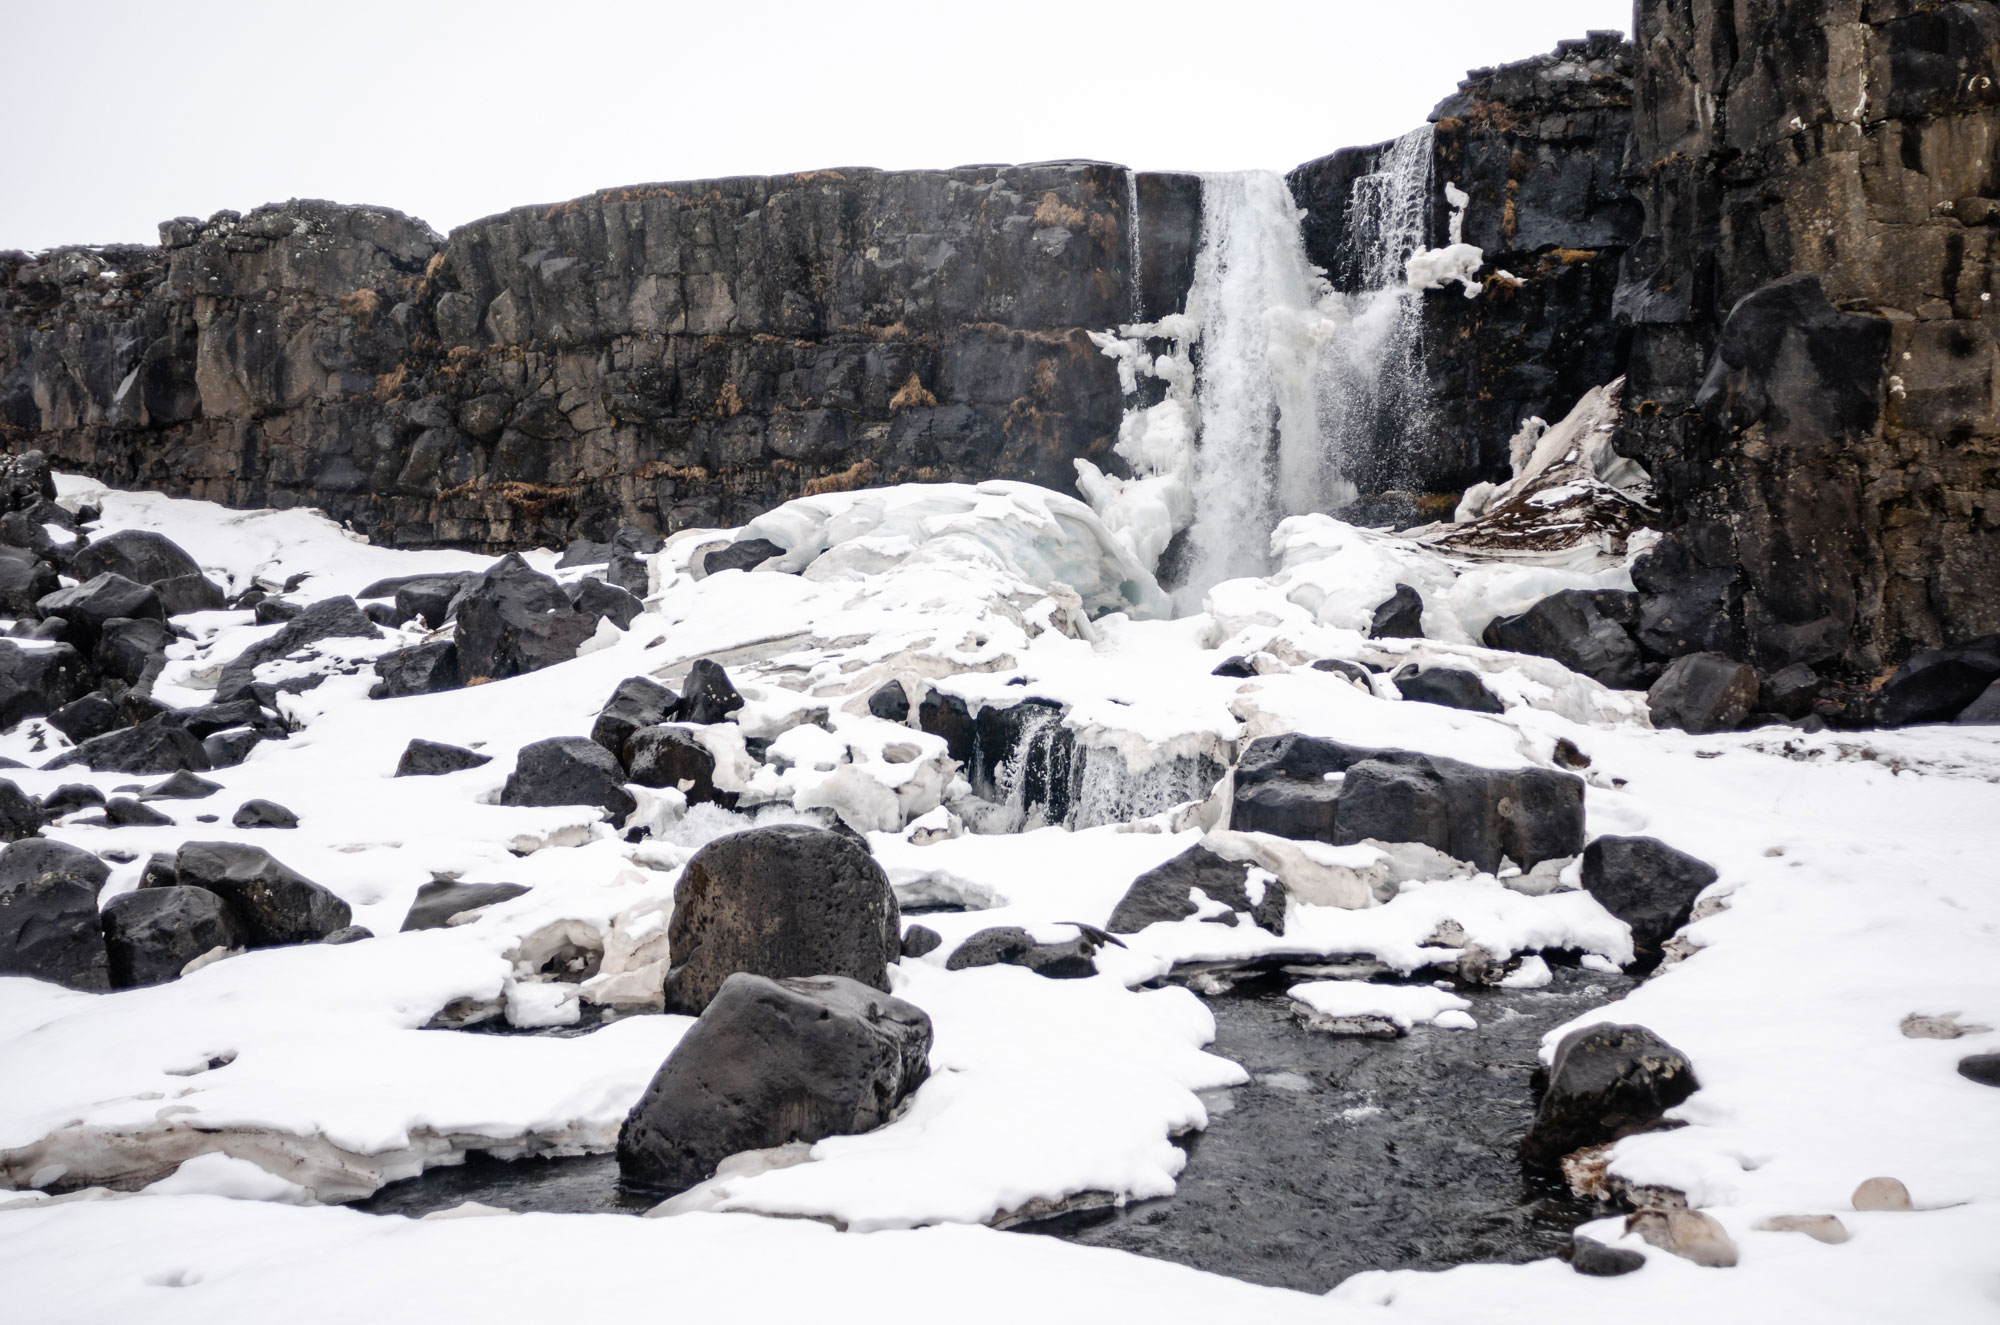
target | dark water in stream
x=1341, y=1154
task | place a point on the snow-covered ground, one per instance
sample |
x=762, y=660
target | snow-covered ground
x=1860, y=884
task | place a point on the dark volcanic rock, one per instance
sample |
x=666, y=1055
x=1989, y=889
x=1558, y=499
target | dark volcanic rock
x=427, y=598
x=595, y=598
x=639, y=701
x=890, y=702
x=1645, y=883
x=1162, y=893
x=152, y=934
x=181, y=786
x=70, y=797
x=157, y=745
x=190, y=593
x=744, y=554
x=81, y=719
x=125, y=812
x=330, y=618
x=226, y=749
x=49, y=929
x=668, y=756
x=1401, y=617
x=25, y=579
x=1983, y=711
x=274, y=904
x=441, y=899
x=918, y=940
x=568, y=770
x=1237, y=666
x=423, y=669
x=40, y=679
x=126, y=647
x=95, y=601
x=779, y=901
x=423, y=758
x=771, y=1062
x=1982, y=1068
x=1789, y=692
x=1452, y=687
x=513, y=620
x=947, y=717
x=1936, y=685
x=43, y=858
x=1703, y=693
x=1589, y=1256
x=19, y=816
x=1010, y=945
x=263, y=814
x=140, y=555
x=1606, y=1082
x=708, y=695
x=1588, y=631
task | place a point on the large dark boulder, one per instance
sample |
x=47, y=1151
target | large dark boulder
x=669, y=756
x=441, y=899
x=87, y=606
x=181, y=594
x=513, y=620
x=19, y=815
x=1703, y=693
x=423, y=669
x=771, y=1062
x=152, y=934
x=780, y=901
x=743, y=554
x=1400, y=617
x=1790, y=691
x=639, y=701
x=708, y=696
x=1983, y=711
x=25, y=579
x=1606, y=1082
x=1163, y=893
x=49, y=930
x=157, y=745
x=947, y=717
x=38, y=679
x=1647, y=884
x=86, y=716
x=595, y=598
x=426, y=598
x=1936, y=685
x=1010, y=945
x=1450, y=687
x=330, y=618
x=140, y=555
x=1588, y=631
x=423, y=759
x=44, y=858
x=890, y=702
x=126, y=647
x=263, y=814
x=274, y=903
x=568, y=770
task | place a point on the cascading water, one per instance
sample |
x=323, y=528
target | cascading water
x=1270, y=372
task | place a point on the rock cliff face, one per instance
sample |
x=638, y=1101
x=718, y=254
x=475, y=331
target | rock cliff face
x=1538, y=147
x=673, y=355
x=1814, y=379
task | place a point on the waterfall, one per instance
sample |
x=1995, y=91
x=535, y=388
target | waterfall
x=1276, y=382
x=1132, y=244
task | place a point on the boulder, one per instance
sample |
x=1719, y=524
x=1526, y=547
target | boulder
x=1236, y=668
x=1164, y=893
x=1588, y=631
x=1703, y=693
x=273, y=903
x=87, y=606
x=1789, y=692
x=209, y=719
x=80, y=719
x=1982, y=1068
x=38, y=679
x=639, y=701
x=278, y=611
x=780, y=901
x=1589, y=1256
x=513, y=620
x=127, y=646
x=1883, y=1193
x=152, y=934
x=36, y=858
x=1936, y=685
x=1692, y=1235
x=263, y=814
x=708, y=695
x=1983, y=711
x=947, y=717
x=671, y=756
x=890, y=702
x=423, y=759
x=1354, y=672
x=1606, y=1082
x=441, y=899
x=226, y=749
x=348, y=934
x=1010, y=945
x=71, y=797
x=158, y=871
x=597, y=599
x=568, y=770
x=426, y=598
x=25, y=579
x=1401, y=617
x=743, y=554
x=157, y=745
x=1645, y=883
x=26, y=480
x=330, y=618
x=126, y=812
x=423, y=669
x=19, y=816
x=919, y=940
x=139, y=555
x=1451, y=687
x=772, y=1062
x=181, y=594
x=48, y=928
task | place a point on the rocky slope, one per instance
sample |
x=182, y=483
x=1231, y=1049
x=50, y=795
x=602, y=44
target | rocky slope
x=685, y=354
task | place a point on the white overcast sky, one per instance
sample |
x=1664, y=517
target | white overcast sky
x=121, y=114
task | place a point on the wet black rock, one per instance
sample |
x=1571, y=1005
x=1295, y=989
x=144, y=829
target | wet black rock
x=919, y=940
x=151, y=935
x=441, y=899
x=423, y=759
x=1451, y=687
x=1588, y=631
x=513, y=620
x=639, y=701
x=427, y=598
x=785, y=900
x=1589, y=1256
x=1982, y=1068
x=890, y=702
x=1010, y=945
x=595, y=598
x=771, y=1062
x=277, y=611
x=1790, y=691
x=1024, y=755
x=1400, y=617
x=1936, y=685
x=263, y=814
x=71, y=797
x=947, y=717
x=568, y=770
x=212, y=718
x=708, y=696
x=1354, y=672
x=330, y=618
x=157, y=745
x=669, y=756
x=1983, y=711
x=139, y=555
x=228, y=748
x=181, y=786
x=25, y=579
x=190, y=593
x=1647, y=884
x=274, y=903
x=126, y=647
x=126, y=812
x=49, y=928
x=743, y=554
x=1703, y=693
x=423, y=669
x=1236, y=667
x=1606, y=1082
x=159, y=871
x=20, y=816
x=85, y=717
x=1162, y=893
x=87, y=606
x=348, y=934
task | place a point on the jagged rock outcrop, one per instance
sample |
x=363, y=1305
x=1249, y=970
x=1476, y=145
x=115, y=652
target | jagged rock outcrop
x=665, y=355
